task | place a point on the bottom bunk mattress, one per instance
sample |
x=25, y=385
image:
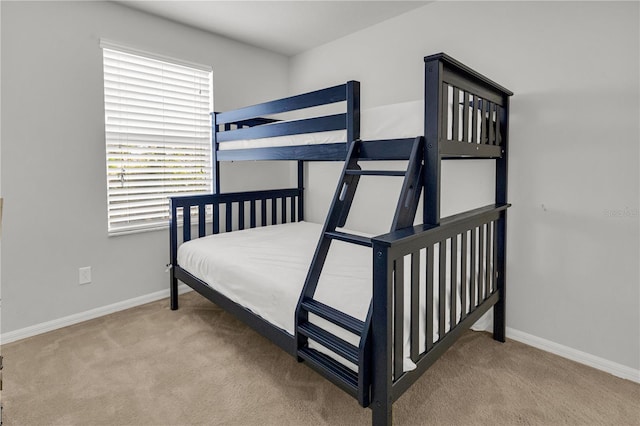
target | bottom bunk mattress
x=264, y=269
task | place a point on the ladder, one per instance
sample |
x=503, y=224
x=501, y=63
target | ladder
x=355, y=383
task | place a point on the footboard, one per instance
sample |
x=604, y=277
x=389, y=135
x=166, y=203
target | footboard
x=447, y=276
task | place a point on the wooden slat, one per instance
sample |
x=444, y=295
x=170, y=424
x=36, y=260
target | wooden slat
x=252, y=214
x=498, y=124
x=442, y=289
x=488, y=268
x=481, y=263
x=464, y=287
x=455, y=109
x=494, y=259
x=263, y=212
x=415, y=305
x=444, y=109
x=241, y=215
x=483, y=127
x=216, y=218
x=274, y=211
x=453, y=311
x=398, y=320
x=473, y=300
x=465, y=116
x=283, y=209
x=228, y=217
x=292, y=200
x=429, y=297
x=492, y=140
x=186, y=224
x=474, y=120
x=202, y=220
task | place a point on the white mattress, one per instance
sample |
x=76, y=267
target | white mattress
x=264, y=269
x=395, y=121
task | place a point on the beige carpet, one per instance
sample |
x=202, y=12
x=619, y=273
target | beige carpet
x=199, y=365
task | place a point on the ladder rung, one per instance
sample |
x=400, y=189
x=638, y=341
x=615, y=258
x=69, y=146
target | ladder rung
x=332, y=369
x=376, y=172
x=337, y=317
x=349, y=238
x=341, y=347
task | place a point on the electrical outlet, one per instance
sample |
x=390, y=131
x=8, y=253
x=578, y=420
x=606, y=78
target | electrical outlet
x=84, y=275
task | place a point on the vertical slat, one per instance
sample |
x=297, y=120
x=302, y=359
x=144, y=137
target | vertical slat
x=465, y=116
x=241, y=215
x=429, y=297
x=488, y=268
x=228, y=217
x=274, y=211
x=415, y=305
x=263, y=212
x=491, y=141
x=483, y=127
x=442, y=289
x=202, y=220
x=216, y=217
x=463, y=275
x=283, y=209
x=473, y=301
x=300, y=191
x=494, y=257
x=398, y=318
x=454, y=280
x=186, y=224
x=455, y=109
x=481, y=264
x=498, y=129
x=252, y=214
x=444, y=107
x=292, y=200
x=474, y=119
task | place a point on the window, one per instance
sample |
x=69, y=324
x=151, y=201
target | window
x=158, y=135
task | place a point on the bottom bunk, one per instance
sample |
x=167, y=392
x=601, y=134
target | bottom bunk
x=413, y=291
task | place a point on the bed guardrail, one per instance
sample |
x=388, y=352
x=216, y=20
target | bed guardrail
x=467, y=252
x=228, y=212
x=252, y=122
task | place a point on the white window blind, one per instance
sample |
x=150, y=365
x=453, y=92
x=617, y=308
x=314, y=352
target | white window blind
x=158, y=141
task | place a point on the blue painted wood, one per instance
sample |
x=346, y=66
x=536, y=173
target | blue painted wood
x=376, y=383
x=286, y=128
x=306, y=100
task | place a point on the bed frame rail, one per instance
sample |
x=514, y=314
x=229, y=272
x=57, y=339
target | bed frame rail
x=456, y=269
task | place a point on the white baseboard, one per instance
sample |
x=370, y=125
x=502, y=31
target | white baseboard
x=44, y=327
x=485, y=323
x=610, y=367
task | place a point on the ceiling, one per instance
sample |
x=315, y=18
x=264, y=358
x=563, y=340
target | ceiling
x=286, y=27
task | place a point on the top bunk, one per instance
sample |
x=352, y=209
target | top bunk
x=462, y=115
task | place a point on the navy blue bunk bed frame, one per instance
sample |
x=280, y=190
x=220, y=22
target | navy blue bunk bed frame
x=475, y=240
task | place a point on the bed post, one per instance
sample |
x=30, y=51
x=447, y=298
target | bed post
x=381, y=325
x=173, y=247
x=432, y=130
x=353, y=112
x=499, y=310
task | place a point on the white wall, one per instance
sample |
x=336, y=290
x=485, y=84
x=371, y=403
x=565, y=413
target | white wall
x=53, y=155
x=572, y=266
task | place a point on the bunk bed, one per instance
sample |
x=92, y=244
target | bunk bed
x=369, y=313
